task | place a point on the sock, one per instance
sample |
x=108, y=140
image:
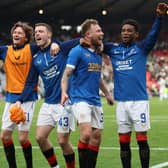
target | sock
x=70, y=160
x=51, y=157
x=10, y=153
x=83, y=154
x=92, y=156
x=27, y=150
x=56, y=166
x=125, y=155
x=144, y=153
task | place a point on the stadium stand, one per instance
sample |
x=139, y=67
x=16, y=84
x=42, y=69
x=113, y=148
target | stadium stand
x=55, y=15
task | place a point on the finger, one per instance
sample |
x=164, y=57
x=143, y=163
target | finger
x=111, y=102
x=52, y=52
x=62, y=102
x=18, y=104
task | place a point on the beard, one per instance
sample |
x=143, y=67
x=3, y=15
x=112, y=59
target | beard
x=98, y=45
x=95, y=42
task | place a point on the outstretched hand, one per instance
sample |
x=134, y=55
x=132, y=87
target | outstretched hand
x=161, y=9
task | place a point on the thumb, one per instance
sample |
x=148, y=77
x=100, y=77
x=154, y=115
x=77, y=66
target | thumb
x=18, y=104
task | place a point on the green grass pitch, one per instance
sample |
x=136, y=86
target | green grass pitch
x=109, y=151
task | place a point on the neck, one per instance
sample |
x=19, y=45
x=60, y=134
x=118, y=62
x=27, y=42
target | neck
x=16, y=46
x=46, y=44
x=93, y=46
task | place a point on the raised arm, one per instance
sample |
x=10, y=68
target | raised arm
x=152, y=36
x=161, y=9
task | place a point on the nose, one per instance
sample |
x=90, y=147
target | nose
x=125, y=31
x=102, y=33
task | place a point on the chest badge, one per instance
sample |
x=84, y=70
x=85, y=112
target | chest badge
x=87, y=54
x=17, y=57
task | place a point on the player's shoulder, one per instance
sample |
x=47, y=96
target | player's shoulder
x=116, y=44
x=112, y=45
x=76, y=49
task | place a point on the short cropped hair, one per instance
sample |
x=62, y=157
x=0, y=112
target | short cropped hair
x=26, y=28
x=85, y=26
x=133, y=23
x=49, y=28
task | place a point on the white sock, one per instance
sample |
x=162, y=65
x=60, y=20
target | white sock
x=56, y=166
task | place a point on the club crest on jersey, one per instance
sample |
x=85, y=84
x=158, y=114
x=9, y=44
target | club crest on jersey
x=87, y=54
x=17, y=57
x=39, y=61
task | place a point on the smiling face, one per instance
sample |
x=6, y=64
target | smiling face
x=92, y=33
x=42, y=36
x=95, y=34
x=128, y=33
x=19, y=36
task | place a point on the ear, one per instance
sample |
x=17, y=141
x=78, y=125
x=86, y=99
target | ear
x=26, y=39
x=136, y=35
x=49, y=34
x=87, y=34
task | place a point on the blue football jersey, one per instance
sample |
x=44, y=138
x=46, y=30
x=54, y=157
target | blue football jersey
x=129, y=65
x=85, y=80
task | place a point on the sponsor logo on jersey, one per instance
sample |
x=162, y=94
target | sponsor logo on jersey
x=94, y=67
x=52, y=72
x=124, y=65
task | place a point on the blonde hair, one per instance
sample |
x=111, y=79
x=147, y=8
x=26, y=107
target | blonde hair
x=85, y=26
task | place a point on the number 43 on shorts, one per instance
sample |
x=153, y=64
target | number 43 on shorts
x=63, y=121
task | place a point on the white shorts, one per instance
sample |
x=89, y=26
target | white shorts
x=7, y=124
x=133, y=114
x=56, y=114
x=85, y=113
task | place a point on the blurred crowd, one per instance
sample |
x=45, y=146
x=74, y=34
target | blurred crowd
x=156, y=74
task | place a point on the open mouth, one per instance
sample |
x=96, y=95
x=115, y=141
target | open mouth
x=16, y=39
x=125, y=38
x=38, y=39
